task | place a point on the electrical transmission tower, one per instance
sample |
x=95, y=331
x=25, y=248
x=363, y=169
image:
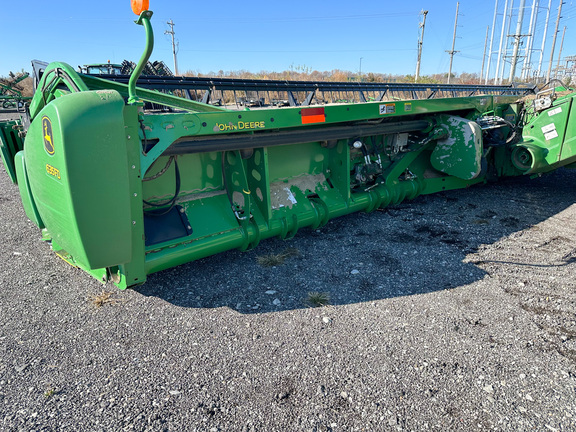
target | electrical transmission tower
x=539, y=72
x=525, y=74
x=490, y=52
x=501, y=43
x=517, y=40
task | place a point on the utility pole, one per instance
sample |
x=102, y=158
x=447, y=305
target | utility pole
x=484, y=55
x=420, y=43
x=560, y=53
x=554, y=41
x=491, y=42
x=360, y=70
x=544, y=39
x=517, y=36
x=500, y=59
x=171, y=32
x=505, y=53
x=452, y=52
x=531, y=30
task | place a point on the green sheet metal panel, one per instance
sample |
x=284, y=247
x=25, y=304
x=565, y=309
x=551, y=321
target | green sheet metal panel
x=569, y=139
x=25, y=192
x=75, y=152
x=460, y=153
x=543, y=148
x=10, y=144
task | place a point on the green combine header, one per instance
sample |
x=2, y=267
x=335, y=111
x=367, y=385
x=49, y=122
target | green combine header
x=123, y=189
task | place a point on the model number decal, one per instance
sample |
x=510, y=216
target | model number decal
x=53, y=171
x=239, y=126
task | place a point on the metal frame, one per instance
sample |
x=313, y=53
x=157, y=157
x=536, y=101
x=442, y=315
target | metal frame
x=304, y=93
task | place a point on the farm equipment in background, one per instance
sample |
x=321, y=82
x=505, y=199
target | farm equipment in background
x=157, y=68
x=11, y=92
x=123, y=191
x=101, y=69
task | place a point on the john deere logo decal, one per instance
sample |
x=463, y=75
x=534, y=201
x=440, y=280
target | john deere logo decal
x=47, y=133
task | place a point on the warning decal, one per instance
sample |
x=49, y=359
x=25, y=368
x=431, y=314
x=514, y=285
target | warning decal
x=550, y=132
x=387, y=108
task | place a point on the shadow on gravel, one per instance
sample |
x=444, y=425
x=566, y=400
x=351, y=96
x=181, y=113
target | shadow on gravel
x=414, y=248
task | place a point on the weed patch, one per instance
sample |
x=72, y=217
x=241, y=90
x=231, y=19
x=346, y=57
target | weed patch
x=273, y=260
x=105, y=297
x=317, y=299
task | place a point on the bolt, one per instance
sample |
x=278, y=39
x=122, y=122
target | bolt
x=129, y=137
x=133, y=166
x=133, y=222
x=135, y=194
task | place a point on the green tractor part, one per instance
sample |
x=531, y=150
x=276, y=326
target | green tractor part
x=122, y=191
x=549, y=139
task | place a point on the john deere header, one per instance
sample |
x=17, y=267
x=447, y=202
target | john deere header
x=125, y=181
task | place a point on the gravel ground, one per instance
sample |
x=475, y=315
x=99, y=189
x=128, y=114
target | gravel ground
x=450, y=312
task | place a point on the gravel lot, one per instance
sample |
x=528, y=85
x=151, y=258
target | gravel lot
x=450, y=312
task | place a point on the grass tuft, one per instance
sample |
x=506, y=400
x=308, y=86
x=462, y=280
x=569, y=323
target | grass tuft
x=105, y=297
x=273, y=260
x=317, y=299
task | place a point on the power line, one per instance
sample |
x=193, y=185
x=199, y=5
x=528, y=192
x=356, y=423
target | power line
x=359, y=50
x=303, y=19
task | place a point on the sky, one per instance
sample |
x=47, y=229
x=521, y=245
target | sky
x=374, y=36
